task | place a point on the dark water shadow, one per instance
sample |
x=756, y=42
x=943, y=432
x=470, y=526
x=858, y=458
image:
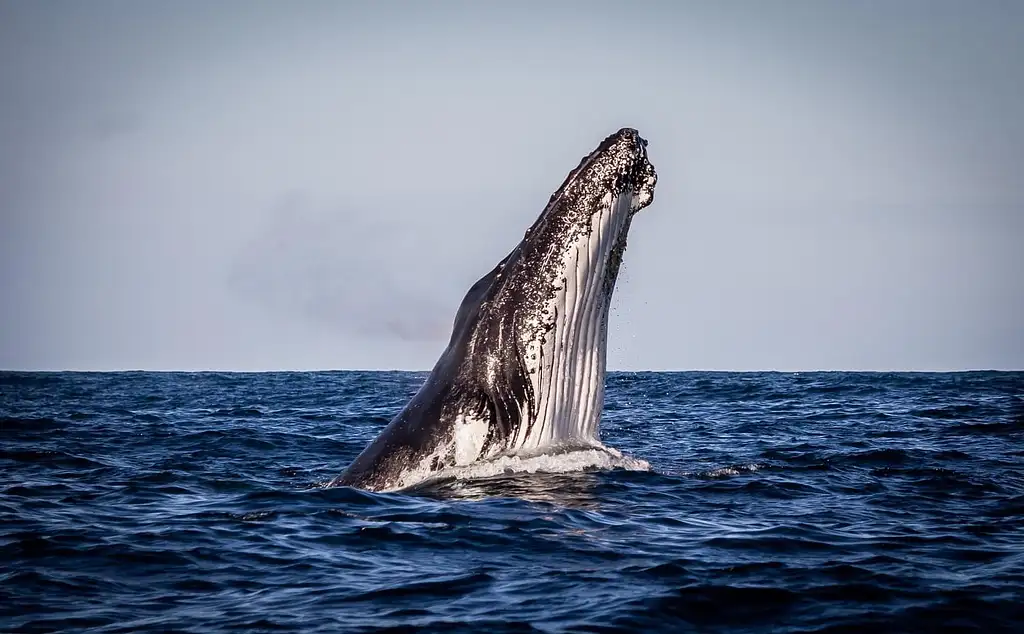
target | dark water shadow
x=572, y=490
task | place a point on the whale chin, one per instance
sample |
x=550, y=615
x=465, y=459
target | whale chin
x=524, y=371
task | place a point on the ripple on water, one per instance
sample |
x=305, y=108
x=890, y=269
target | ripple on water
x=761, y=502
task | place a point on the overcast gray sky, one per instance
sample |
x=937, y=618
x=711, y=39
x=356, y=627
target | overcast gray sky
x=302, y=185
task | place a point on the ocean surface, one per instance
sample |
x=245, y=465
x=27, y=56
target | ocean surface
x=808, y=502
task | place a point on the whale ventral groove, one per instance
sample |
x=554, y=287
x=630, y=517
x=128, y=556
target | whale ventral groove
x=524, y=370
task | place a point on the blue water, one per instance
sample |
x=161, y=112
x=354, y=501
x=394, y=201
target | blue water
x=150, y=502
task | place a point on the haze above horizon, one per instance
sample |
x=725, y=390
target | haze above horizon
x=312, y=185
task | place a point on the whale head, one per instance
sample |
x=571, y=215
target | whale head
x=524, y=371
x=531, y=336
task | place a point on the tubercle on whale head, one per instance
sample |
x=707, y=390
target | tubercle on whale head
x=618, y=164
x=618, y=167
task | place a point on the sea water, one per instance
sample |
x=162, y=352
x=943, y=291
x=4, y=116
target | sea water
x=741, y=502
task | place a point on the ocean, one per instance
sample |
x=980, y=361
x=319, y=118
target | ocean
x=774, y=502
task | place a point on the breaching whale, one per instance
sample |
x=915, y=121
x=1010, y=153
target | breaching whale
x=524, y=371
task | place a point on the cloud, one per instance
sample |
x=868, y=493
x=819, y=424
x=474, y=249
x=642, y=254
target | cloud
x=348, y=271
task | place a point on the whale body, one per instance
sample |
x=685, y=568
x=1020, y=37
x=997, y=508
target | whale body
x=524, y=371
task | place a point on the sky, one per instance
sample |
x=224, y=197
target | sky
x=315, y=185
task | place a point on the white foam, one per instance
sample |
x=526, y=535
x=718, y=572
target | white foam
x=593, y=458
x=724, y=472
x=469, y=437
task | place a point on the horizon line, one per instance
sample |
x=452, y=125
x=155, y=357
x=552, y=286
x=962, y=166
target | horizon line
x=426, y=370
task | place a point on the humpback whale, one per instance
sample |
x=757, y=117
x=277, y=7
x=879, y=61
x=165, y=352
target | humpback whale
x=524, y=371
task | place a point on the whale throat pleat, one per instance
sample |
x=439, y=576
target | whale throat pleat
x=569, y=372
